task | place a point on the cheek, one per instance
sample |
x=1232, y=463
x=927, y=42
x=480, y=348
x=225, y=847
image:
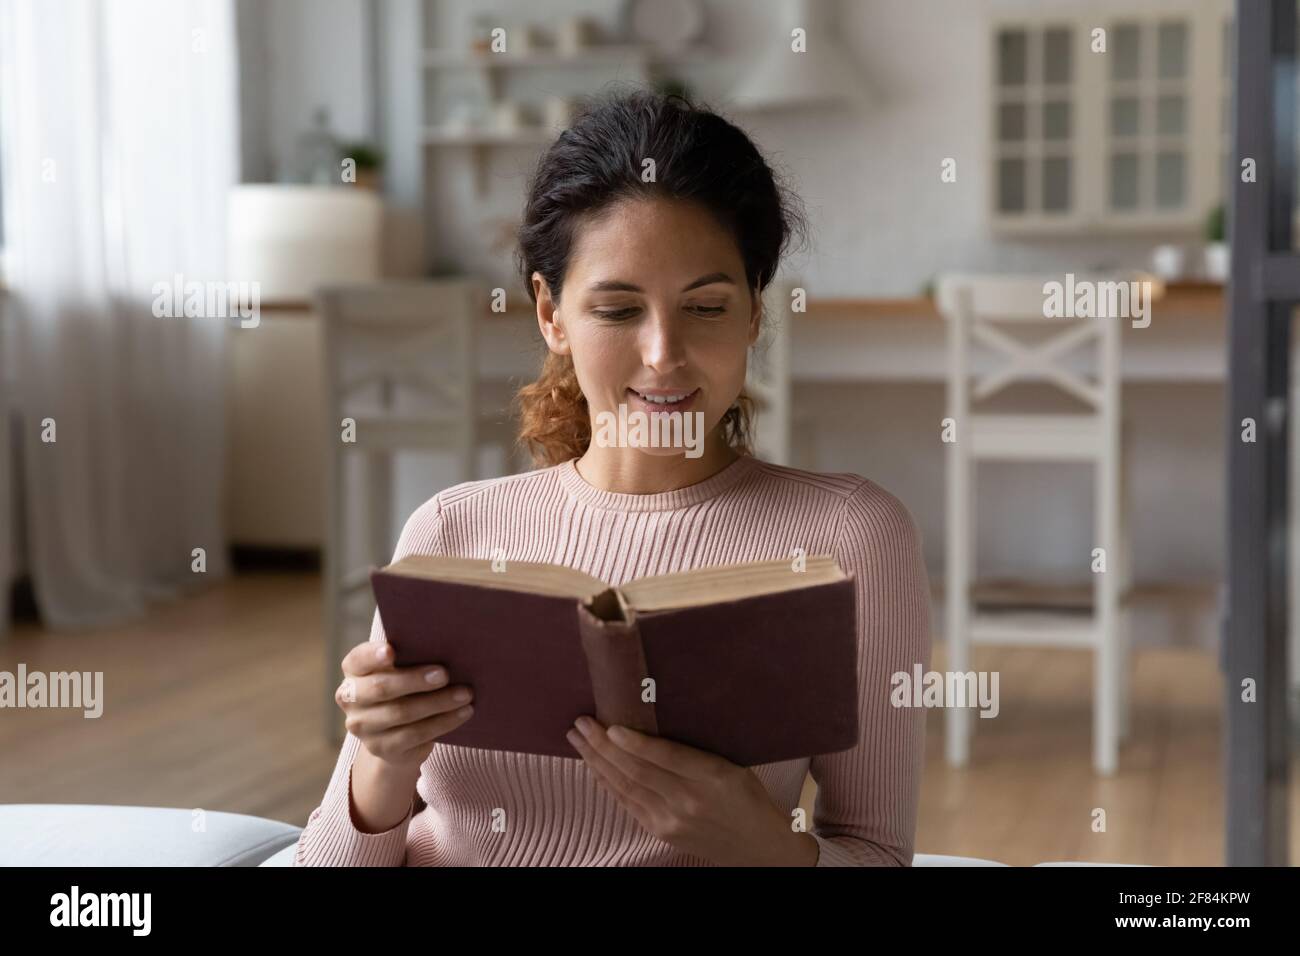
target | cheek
x=601, y=360
x=729, y=360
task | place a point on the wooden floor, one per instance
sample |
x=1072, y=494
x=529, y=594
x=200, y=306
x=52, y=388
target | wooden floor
x=214, y=702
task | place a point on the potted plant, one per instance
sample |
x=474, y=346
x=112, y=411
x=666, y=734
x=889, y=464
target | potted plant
x=1216, y=248
x=369, y=163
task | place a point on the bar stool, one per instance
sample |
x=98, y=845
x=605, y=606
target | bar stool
x=400, y=375
x=997, y=312
x=767, y=378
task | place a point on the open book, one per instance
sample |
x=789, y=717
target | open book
x=755, y=662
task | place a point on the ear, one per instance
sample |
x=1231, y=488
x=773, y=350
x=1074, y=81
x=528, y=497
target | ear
x=756, y=315
x=548, y=317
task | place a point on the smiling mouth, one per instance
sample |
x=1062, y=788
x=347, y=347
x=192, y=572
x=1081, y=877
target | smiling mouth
x=668, y=401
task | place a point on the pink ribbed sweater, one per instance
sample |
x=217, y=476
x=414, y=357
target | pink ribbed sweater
x=557, y=813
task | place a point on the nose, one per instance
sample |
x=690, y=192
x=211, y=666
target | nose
x=662, y=348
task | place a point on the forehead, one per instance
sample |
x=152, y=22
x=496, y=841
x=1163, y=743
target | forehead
x=636, y=236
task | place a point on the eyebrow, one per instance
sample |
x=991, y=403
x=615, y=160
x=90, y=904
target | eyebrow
x=614, y=285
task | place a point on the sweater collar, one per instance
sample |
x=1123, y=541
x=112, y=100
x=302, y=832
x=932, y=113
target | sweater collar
x=588, y=494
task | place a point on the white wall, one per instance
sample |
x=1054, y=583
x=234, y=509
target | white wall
x=886, y=222
x=297, y=55
x=883, y=222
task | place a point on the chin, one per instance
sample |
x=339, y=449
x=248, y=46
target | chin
x=664, y=452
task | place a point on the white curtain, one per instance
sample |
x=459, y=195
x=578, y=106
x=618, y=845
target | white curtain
x=118, y=124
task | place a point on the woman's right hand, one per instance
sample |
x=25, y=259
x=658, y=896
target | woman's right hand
x=398, y=712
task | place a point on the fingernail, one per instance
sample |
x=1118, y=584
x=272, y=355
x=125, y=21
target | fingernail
x=381, y=652
x=461, y=693
x=466, y=710
x=435, y=676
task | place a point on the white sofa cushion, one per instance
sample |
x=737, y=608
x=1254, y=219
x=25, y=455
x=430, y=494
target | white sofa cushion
x=939, y=859
x=283, y=858
x=54, y=834
x=1078, y=863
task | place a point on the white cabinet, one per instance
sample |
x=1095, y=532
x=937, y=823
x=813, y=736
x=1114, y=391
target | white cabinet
x=1109, y=117
x=275, y=408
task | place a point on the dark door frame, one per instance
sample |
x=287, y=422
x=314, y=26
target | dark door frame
x=1265, y=286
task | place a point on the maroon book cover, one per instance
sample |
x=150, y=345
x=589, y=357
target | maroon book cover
x=755, y=680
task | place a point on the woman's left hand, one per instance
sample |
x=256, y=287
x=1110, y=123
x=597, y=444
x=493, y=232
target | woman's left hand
x=699, y=802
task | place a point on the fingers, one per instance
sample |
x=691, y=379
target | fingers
x=638, y=781
x=409, y=739
x=391, y=684
x=417, y=707
x=366, y=658
x=369, y=678
x=382, y=717
x=670, y=755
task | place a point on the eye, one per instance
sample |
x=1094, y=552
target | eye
x=614, y=314
x=708, y=310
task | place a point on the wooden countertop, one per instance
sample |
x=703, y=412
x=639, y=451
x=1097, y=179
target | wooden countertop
x=1178, y=297
x=1205, y=297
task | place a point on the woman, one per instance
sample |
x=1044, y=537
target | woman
x=650, y=229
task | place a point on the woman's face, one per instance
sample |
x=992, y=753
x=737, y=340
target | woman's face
x=654, y=302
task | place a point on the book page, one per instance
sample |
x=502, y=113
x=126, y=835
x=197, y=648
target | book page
x=532, y=577
x=728, y=583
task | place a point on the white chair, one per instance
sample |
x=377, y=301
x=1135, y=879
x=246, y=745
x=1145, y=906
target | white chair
x=768, y=376
x=400, y=365
x=997, y=312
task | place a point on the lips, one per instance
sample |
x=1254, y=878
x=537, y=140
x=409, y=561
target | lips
x=656, y=402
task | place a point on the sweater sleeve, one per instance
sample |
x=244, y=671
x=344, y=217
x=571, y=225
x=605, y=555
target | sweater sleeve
x=331, y=836
x=867, y=796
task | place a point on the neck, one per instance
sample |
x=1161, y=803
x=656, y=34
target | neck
x=633, y=472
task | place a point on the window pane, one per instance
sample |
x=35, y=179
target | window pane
x=1056, y=184
x=1124, y=116
x=1012, y=57
x=1011, y=122
x=1124, y=51
x=1170, y=189
x=1056, y=56
x=1171, y=44
x=1170, y=119
x=1011, y=185
x=1124, y=181
x=1056, y=120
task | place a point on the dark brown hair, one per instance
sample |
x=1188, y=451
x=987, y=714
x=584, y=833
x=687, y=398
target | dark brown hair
x=699, y=156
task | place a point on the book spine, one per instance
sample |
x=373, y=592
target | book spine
x=616, y=664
